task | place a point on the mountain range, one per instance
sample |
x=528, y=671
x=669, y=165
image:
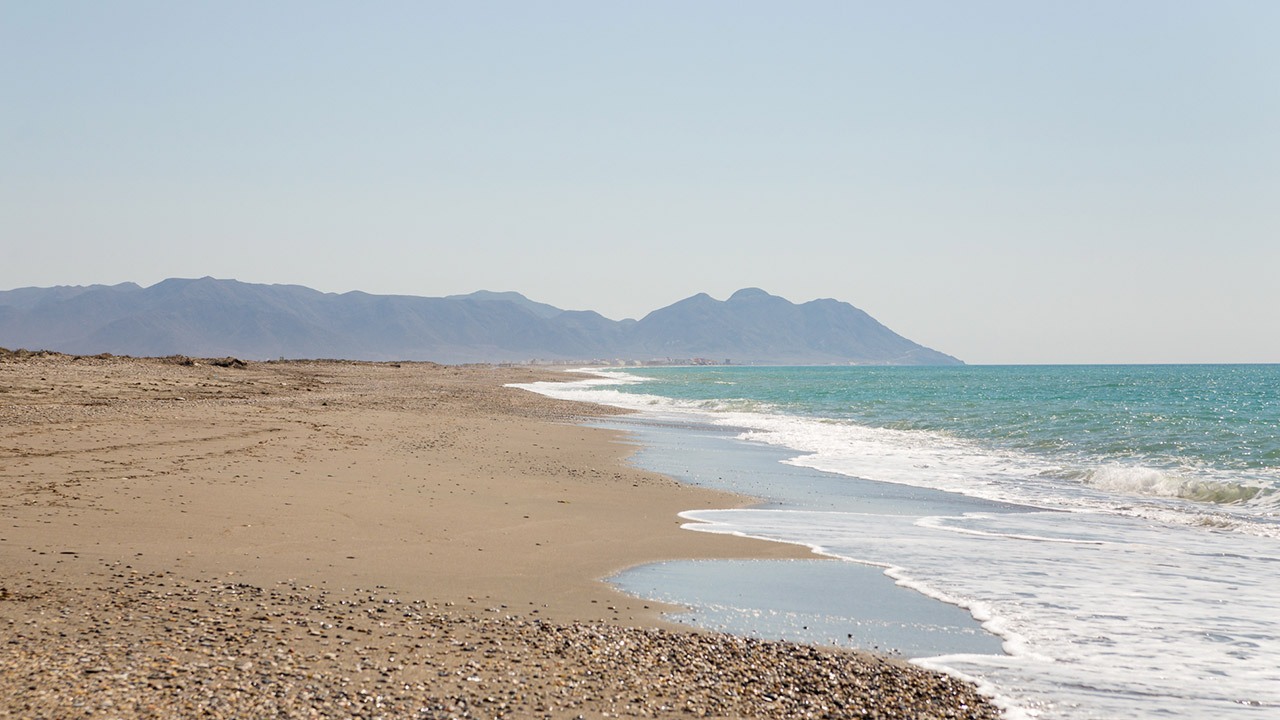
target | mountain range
x=210, y=317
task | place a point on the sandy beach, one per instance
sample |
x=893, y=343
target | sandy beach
x=204, y=538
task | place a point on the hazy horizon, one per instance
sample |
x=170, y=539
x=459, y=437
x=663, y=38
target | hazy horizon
x=1003, y=182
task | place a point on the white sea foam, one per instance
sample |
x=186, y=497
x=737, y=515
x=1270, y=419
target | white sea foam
x=1097, y=617
x=1120, y=593
x=943, y=462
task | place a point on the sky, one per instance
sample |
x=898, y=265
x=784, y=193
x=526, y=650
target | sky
x=1007, y=182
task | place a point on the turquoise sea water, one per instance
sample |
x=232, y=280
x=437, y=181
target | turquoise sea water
x=1130, y=556
x=1198, y=425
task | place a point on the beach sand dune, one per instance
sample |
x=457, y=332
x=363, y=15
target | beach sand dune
x=209, y=538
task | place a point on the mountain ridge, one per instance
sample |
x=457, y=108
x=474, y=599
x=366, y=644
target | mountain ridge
x=213, y=317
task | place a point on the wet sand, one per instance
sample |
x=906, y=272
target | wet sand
x=181, y=538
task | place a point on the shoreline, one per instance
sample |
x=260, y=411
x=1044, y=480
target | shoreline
x=882, y=615
x=126, y=480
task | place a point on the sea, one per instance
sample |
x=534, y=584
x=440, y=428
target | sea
x=1080, y=541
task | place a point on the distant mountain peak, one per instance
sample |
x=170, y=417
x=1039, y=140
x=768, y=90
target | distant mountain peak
x=753, y=326
x=542, y=310
x=213, y=318
x=507, y=295
x=749, y=294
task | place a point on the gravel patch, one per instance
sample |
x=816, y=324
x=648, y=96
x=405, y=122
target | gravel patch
x=152, y=646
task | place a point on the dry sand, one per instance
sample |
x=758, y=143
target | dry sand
x=182, y=538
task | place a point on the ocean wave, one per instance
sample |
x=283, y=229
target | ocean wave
x=934, y=459
x=1148, y=587
x=1145, y=481
x=600, y=389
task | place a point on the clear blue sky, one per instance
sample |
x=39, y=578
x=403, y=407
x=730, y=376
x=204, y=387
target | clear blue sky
x=1004, y=181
